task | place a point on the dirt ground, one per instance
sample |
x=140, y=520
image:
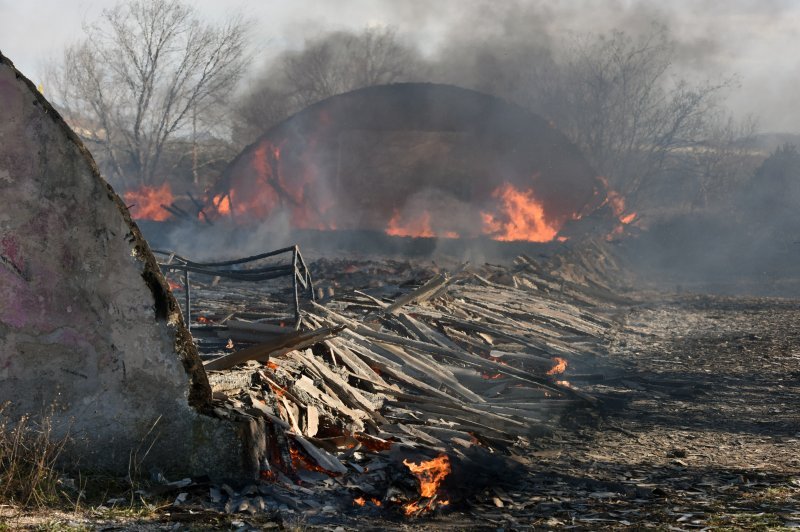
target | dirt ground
x=699, y=429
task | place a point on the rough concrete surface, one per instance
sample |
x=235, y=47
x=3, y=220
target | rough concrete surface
x=88, y=327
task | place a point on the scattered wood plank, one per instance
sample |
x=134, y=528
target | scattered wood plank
x=262, y=352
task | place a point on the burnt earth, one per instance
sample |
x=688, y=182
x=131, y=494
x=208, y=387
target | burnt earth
x=701, y=430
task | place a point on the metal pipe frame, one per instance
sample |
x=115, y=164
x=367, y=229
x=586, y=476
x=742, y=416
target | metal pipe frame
x=298, y=270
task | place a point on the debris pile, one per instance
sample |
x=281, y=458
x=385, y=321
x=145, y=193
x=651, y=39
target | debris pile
x=388, y=396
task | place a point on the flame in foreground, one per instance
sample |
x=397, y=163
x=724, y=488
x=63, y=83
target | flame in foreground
x=560, y=366
x=299, y=461
x=146, y=202
x=521, y=217
x=430, y=474
x=361, y=501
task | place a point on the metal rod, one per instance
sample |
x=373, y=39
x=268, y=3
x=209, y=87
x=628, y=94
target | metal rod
x=188, y=299
x=294, y=287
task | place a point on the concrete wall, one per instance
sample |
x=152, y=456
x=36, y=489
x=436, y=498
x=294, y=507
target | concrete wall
x=88, y=326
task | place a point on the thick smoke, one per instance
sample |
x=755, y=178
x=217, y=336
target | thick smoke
x=697, y=220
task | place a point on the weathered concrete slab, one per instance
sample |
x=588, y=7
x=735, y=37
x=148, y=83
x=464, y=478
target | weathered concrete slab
x=88, y=326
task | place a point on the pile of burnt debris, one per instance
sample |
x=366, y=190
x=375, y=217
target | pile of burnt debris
x=394, y=386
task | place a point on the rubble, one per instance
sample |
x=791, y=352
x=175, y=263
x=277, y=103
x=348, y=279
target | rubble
x=471, y=365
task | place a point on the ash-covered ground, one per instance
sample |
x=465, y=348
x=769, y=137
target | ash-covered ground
x=699, y=427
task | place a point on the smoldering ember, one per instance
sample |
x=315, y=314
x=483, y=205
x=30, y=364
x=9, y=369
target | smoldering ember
x=402, y=305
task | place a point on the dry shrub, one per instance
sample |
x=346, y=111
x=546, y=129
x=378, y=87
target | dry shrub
x=28, y=453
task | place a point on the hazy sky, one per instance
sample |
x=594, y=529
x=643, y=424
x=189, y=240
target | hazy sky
x=758, y=40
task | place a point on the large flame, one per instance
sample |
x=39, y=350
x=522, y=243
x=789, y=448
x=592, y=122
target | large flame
x=270, y=192
x=146, y=202
x=430, y=474
x=520, y=217
x=307, y=184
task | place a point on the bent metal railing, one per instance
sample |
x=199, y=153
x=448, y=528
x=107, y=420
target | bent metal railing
x=301, y=276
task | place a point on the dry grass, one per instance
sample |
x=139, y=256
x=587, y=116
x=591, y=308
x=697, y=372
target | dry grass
x=28, y=453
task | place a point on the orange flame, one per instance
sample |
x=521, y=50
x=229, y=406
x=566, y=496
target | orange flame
x=521, y=217
x=617, y=203
x=361, y=501
x=222, y=203
x=146, y=202
x=280, y=392
x=430, y=474
x=419, y=226
x=415, y=507
x=270, y=192
x=560, y=366
x=299, y=461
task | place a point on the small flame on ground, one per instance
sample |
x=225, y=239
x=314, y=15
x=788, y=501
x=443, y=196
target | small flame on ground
x=415, y=507
x=299, y=461
x=229, y=345
x=560, y=366
x=430, y=474
x=146, y=202
x=565, y=384
x=361, y=501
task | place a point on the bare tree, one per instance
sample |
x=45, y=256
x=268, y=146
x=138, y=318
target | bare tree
x=724, y=164
x=332, y=64
x=615, y=96
x=147, y=71
x=341, y=61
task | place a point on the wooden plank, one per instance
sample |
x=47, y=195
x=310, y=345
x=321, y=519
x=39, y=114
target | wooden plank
x=354, y=362
x=257, y=327
x=306, y=385
x=438, y=373
x=343, y=388
x=424, y=292
x=466, y=357
x=322, y=457
x=295, y=340
x=311, y=425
